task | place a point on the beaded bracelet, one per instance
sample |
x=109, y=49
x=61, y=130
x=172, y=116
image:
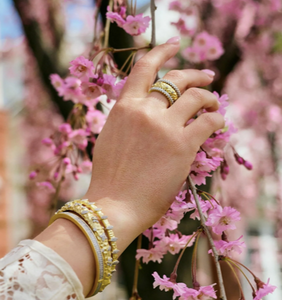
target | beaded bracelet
x=84, y=227
x=102, y=229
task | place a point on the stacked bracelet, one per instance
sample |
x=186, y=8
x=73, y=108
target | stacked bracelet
x=83, y=226
x=106, y=252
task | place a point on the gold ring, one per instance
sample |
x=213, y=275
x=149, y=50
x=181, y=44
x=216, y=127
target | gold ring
x=167, y=88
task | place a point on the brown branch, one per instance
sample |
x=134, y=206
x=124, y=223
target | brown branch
x=210, y=239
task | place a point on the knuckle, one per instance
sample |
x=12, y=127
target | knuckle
x=143, y=63
x=213, y=120
x=175, y=75
x=196, y=94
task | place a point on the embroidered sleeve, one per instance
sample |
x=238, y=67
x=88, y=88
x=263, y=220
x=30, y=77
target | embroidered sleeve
x=33, y=271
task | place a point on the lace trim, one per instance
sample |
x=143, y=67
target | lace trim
x=33, y=271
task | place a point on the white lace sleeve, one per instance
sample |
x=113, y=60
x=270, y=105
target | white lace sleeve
x=33, y=271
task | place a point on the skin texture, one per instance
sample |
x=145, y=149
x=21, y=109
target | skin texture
x=141, y=158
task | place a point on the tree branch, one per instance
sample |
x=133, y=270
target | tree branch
x=210, y=239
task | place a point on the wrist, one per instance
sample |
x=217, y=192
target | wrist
x=125, y=222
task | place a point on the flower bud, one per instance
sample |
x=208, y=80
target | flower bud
x=248, y=165
x=66, y=161
x=239, y=159
x=47, y=142
x=33, y=174
x=223, y=176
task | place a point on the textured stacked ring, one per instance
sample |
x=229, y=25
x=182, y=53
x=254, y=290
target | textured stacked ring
x=167, y=88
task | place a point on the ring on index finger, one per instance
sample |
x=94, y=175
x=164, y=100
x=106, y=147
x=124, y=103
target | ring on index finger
x=167, y=88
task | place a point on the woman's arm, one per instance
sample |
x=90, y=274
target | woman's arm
x=141, y=158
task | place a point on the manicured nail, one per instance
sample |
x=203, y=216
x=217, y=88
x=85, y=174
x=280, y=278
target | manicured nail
x=209, y=72
x=173, y=40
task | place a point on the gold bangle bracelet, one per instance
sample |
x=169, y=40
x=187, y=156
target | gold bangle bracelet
x=84, y=227
x=93, y=220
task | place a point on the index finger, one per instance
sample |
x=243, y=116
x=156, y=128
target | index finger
x=145, y=70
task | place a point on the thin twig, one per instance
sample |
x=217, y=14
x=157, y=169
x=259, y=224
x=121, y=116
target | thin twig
x=107, y=27
x=136, y=271
x=129, y=49
x=153, y=36
x=215, y=254
x=243, y=273
x=184, y=248
x=238, y=281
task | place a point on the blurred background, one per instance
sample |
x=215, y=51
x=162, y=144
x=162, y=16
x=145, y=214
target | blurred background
x=39, y=38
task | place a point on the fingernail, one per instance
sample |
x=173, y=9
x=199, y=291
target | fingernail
x=173, y=40
x=209, y=72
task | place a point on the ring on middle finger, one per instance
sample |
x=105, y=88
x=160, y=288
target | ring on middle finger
x=167, y=88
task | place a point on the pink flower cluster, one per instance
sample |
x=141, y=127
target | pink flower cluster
x=85, y=86
x=204, y=47
x=188, y=21
x=181, y=290
x=263, y=289
x=226, y=248
x=164, y=236
x=133, y=25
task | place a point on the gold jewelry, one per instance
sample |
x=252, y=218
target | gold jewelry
x=102, y=229
x=167, y=88
x=84, y=227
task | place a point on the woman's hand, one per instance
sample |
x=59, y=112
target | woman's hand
x=144, y=152
x=141, y=158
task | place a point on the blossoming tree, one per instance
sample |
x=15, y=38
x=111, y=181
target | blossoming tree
x=217, y=36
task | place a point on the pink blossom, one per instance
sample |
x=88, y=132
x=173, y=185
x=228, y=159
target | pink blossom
x=189, y=294
x=58, y=83
x=191, y=55
x=204, y=47
x=221, y=219
x=153, y=254
x=224, y=247
x=116, y=17
x=205, y=206
x=206, y=292
x=157, y=233
x=65, y=128
x=164, y=283
x=179, y=6
x=72, y=90
x=92, y=90
x=176, y=5
x=47, y=186
x=202, y=166
x=82, y=68
x=173, y=243
x=135, y=25
x=167, y=223
x=221, y=137
x=185, y=26
x=111, y=87
x=79, y=137
x=96, y=120
x=223, y=100
x=264, y=290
